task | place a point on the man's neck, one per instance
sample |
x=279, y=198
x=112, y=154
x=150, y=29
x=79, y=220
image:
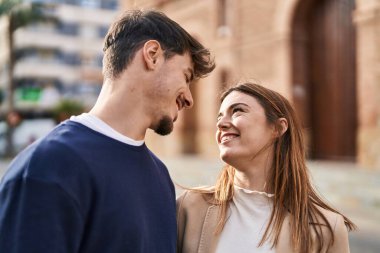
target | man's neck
x=122, y=110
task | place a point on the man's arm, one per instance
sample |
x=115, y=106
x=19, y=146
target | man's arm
x=38, y=216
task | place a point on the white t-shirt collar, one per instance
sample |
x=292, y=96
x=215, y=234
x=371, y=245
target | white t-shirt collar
x=98, y=125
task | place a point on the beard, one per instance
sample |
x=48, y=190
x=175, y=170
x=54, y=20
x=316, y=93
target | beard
x=165, y=126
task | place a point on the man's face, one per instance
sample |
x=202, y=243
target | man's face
x=170, y=92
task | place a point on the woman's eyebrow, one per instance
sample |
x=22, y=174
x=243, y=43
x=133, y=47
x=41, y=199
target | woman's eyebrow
x=231, y=107
x=237, y=104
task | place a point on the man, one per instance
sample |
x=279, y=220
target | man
x=92, y=185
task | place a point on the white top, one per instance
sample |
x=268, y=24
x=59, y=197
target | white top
x=98, y=125
x=248, y=218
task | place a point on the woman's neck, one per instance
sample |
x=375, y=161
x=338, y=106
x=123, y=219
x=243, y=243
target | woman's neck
x=250, y=181
x=254, y=175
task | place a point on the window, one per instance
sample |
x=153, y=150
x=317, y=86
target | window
x=109, y=4
x=68, y=28
x=222, y=13
x=223, y=28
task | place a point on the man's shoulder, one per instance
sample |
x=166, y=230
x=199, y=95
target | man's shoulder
x=67, y=133
x=59, y=143
x=155, y=158
x=67, y=139
x=50, y=156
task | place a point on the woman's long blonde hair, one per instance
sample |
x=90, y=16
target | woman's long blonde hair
x=288, y=179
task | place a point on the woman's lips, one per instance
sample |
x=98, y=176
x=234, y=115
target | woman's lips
x=226, y=137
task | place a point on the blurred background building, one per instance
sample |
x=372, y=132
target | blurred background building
x=56, y=60
x=324, y=55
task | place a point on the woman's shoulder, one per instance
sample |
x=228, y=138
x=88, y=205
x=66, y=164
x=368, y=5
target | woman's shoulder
x=339, y=230
x=196, y=198
x=333, y=218
x=195, y=215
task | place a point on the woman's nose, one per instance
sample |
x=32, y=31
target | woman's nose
x=223, y=122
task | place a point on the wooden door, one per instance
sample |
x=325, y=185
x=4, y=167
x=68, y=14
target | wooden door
x=327, y=53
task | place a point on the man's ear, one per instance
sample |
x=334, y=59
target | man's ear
x=151, y=52
x=282, y=127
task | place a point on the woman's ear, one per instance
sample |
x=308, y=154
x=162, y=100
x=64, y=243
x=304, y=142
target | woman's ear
x=282, y=127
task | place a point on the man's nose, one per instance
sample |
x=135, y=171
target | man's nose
x=188, y=99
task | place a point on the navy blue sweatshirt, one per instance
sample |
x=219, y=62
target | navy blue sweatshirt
x=78, y=191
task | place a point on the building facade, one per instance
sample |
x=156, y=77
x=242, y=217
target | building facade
x=323, y=55
x=57, y=68
x=60, y=58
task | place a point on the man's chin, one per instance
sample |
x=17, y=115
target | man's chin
x=165, y=126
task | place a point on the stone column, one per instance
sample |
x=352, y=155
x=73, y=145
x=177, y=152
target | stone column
x=367, y=20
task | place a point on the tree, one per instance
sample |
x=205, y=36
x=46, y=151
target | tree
x=18, y=14
x=67, y=108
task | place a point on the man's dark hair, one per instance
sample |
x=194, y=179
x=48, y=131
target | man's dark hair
x=129, y=33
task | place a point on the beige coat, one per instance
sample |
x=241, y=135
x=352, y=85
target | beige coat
x=197, y=221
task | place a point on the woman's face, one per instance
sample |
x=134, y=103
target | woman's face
x=242, y=129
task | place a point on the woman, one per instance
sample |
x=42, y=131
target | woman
x=263, y=200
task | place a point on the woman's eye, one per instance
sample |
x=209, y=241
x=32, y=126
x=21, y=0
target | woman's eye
x=237, y=109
